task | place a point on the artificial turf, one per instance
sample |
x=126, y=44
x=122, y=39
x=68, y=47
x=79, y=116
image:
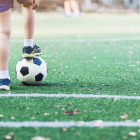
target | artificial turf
x=89, y=68
x=73, y=133
x=102, y=67
x=35, y=109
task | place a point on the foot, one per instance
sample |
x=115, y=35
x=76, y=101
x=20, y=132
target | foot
x=77, y=14
x=5, y=84
x=67, y=16
x=29, y=52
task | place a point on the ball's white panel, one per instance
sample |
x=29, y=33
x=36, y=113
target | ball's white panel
x=34, y=69
x=27, y=62
x=43, y=62
x=29, y=79
x=44, y=72
x=18, y=68
x=19, y=65
x=20, y=76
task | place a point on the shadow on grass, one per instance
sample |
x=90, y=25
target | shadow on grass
x=113, y=88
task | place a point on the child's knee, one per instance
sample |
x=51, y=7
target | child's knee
x=28, y=3
x=6, y=31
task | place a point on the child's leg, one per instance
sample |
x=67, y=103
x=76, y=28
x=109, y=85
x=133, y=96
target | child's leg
x=67, y=8
x=5, y=32
x=75, y=7
x=29, y=23
x=30, y=50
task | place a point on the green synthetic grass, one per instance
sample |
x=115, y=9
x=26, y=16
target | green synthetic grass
x=84, y=67
x=102, y=67
x=33, y=109
x=119, y=133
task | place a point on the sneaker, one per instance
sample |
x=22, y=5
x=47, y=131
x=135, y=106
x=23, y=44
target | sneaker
x=67, y=16
x=5, y=84
x=29, y=52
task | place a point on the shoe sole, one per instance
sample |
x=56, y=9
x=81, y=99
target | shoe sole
x=31, y=55
x=4, y=87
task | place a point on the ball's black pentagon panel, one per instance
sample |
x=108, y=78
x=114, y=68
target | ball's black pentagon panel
x=39, y=77
x=24, y=83
x=37, y=61
x=24, y=71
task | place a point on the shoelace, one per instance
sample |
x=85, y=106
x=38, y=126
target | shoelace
x=36, y=47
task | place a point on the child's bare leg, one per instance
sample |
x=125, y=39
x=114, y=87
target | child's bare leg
x=29, y=23
x=5, y=32
x=67, y=8
x=29, y=19
x=75, y=7
x=30, y=50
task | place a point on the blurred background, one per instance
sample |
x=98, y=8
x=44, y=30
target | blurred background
x=92, y=19
x=88, y=6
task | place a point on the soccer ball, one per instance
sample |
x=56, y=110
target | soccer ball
x=31, y=71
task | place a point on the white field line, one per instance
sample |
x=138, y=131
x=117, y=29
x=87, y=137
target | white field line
x=59, y=95
x=81, y=40
x=98, y=123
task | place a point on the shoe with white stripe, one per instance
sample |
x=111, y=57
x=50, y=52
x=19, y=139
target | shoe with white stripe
x=5, y=84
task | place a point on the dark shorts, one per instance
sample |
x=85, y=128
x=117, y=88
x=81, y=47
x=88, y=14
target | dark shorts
x=8, y=4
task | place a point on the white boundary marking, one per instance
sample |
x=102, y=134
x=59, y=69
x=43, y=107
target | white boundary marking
x=71, y=95
x=81, y=40
x=97, y=123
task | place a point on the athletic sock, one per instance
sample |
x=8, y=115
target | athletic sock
x=77, y=13
x=68, y=13
x=28, y=42
x=4, y=74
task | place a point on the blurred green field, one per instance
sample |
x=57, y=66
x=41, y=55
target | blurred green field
x=51, y=25
x=88, y=67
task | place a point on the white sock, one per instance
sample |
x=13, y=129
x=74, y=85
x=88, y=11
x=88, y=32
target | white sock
x=4, y=74
x=28, y=42
x=68, y=13
x=77, y=13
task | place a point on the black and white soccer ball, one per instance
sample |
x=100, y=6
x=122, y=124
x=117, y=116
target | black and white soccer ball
x=31, y=71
